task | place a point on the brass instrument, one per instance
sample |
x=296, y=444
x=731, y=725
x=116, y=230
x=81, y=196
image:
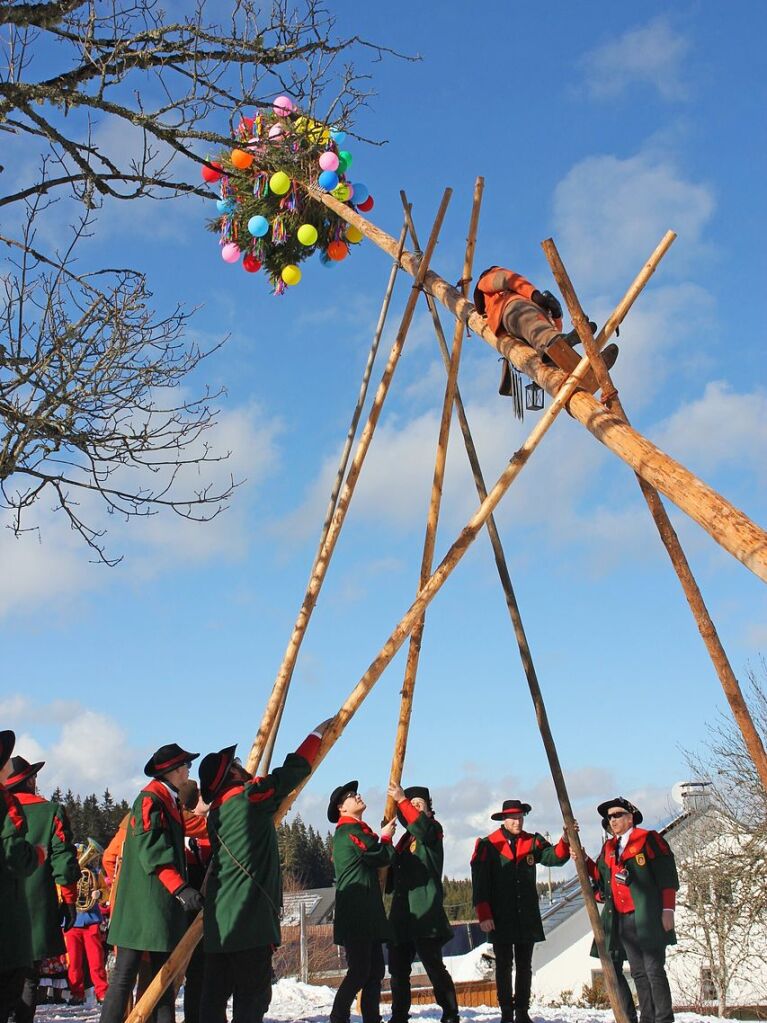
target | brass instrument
x=88, y=890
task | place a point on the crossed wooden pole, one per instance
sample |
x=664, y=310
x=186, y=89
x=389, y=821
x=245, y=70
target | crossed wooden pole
x=655, y=470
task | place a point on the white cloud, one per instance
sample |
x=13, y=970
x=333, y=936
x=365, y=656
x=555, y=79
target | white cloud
x=721, y=428
x=650, y=54
x=610, y=213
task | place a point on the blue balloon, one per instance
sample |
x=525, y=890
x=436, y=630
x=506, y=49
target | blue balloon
x=337, y=135
x=225, y=206
x=258, y=226
x=361, y=193
x=328, y=180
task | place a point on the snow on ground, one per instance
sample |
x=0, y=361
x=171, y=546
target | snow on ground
x=293, y=1001
x=470, y=966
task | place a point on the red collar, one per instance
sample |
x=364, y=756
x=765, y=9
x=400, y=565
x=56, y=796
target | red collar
x=235, y=790
x=27, y=798
x=160, y=789
x=635, y=844
x=353, y=820
x=500, y=842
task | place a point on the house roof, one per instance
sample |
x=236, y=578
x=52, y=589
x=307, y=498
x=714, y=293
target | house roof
x=318, y=903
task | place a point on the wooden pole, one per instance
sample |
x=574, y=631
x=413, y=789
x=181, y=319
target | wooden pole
x=321, y=566
x=266, y=759
x=725, y=523
x=668, y=535
x=435, y=501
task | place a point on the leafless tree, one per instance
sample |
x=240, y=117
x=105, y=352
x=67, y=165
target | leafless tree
x=92, y=380
x=71, y=65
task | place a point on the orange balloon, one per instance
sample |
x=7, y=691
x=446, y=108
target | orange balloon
x=338, y=250
x=241, y=160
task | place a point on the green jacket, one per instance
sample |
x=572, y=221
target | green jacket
x=357, y=855
x=18, y=860
x=243, y=896
x=415, y=879
x=146, y=914
x=504, y=883
x=652, y=884
x=48, y=826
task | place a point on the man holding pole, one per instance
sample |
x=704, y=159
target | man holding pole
x=417, y=915
x=637, y=881
x=243, y=895
x=155, y=900
x=360, y=923
x=503, y=874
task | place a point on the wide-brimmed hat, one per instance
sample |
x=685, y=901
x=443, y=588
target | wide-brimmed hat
x=7, y=742
x=510, y=808
x=624, y=804
x=21, y=770
x=214, y=770
x=415, y=792
x=166, y=758
x=335, y=798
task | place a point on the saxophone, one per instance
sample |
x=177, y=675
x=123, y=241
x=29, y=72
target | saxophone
x=88, y=890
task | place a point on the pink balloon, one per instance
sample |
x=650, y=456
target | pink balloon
x=276, y=131
x=329, y=161
x=283, y=106
x=230, y=253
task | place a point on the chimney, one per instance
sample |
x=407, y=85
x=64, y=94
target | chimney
x=696, y=796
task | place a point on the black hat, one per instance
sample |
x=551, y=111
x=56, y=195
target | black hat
x=214, y=770
x=415, y=792
x=21, y=770
x=7, y=742
x=510, y=808
x=336, y=797
x=624, y=803
x=166, y=758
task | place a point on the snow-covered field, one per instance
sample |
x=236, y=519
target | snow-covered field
x=294, y=1001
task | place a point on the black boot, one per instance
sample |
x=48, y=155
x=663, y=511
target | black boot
x=573, y=338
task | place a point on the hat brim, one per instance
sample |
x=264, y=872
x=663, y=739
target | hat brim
x=209, y=792
x=21, y=776
x=151, y=770
x=505, y=814
x=333, y=812
x=619, y=801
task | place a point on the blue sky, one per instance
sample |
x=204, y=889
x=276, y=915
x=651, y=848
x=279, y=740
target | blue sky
x=600, y=125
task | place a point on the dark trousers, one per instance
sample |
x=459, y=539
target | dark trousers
x=648, y=972
x=429, y=951
x=193, y=985
x=27, y=1003
x=245, y=976
x=364, y=972
x=11, y=986
x=518, y=997
x=127, y=962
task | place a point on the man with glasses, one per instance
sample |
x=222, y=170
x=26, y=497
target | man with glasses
x=360, y=923
x=155, y=901
x=636, y=877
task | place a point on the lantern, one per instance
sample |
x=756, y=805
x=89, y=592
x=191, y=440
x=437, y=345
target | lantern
x=533, y=397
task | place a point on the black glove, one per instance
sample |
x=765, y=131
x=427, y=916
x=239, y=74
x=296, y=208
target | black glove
x=547, y=301
x=68, y=915
x=190, y=898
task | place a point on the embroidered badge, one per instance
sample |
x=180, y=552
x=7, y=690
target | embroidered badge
x=640, y=859
x=530, y=860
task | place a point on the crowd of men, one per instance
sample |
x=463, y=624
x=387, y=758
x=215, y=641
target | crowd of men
x=184, y=848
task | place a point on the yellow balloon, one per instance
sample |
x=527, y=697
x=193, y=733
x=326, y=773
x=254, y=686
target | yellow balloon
x=341, y=192
x=291, y=274
x=307, y=234
x=279, y=183
x=353, y=234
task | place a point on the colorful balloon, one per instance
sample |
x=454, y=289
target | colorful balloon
x=251, y=264
x=283, y=106
x=279, y=183
x=329, y=161
x=328, y=180
x=337, y=251
x=291, y=274
x=338, y=136
x=230, y=253
x=307, y=234
x=341, y=192
x=353, y=234
x=226, y=206
x=367, y=205
x=241, y=159
x=258, y=226
x=360, y=193
x=210, y=174
x=345, y=159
